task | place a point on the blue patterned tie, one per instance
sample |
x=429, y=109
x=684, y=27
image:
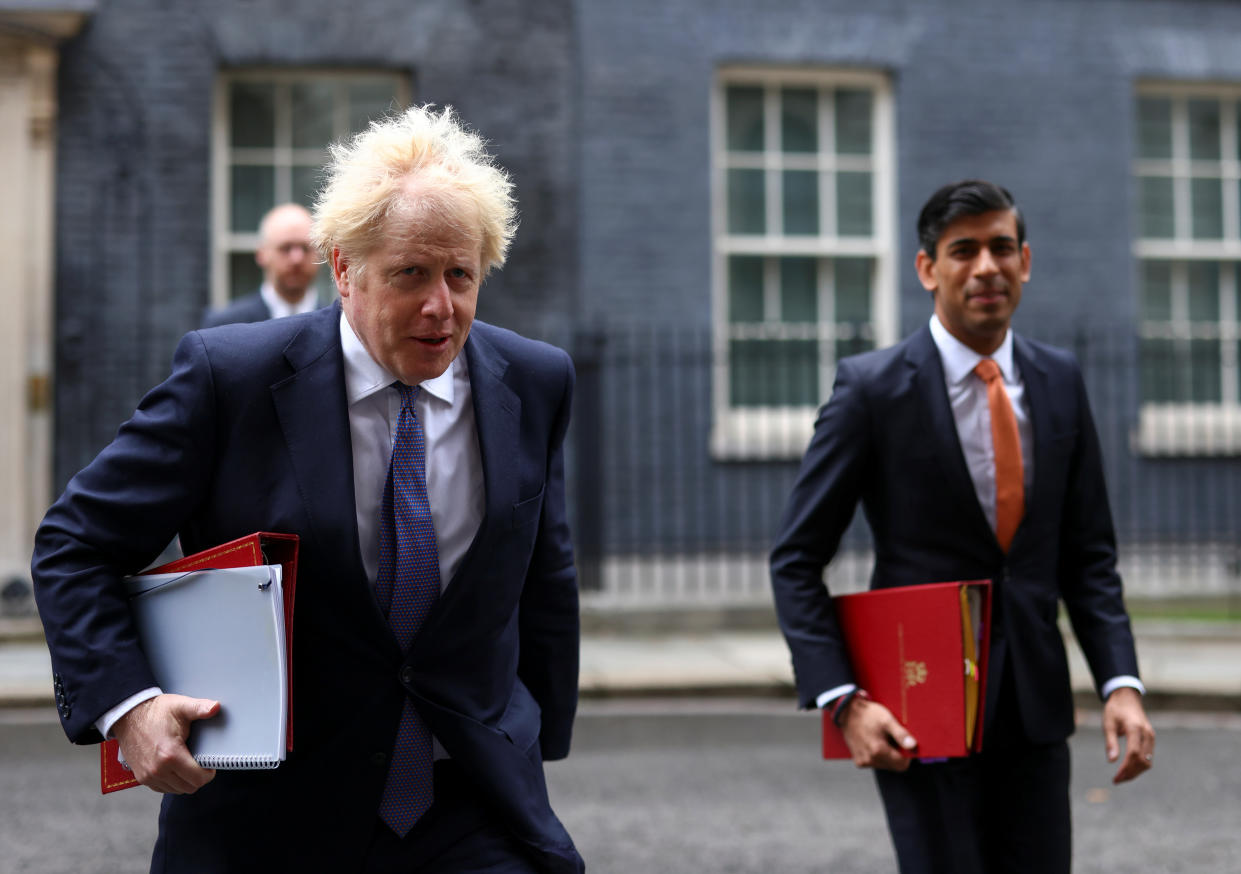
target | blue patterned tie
x=407, y=585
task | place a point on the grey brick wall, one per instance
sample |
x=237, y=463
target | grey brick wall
x=1035, y=94
x=600, y=110
x=133, y=171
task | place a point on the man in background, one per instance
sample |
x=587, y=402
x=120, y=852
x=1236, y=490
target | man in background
x=289, y=263
x=974, y=455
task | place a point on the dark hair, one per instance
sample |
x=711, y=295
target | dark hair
x=969, y=197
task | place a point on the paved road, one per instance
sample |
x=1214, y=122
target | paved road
x=703, y=786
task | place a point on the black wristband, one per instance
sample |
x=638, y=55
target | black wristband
x=842, y=703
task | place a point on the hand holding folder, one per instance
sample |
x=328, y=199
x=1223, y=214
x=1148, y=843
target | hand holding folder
x=268, y=613
x=921, y=651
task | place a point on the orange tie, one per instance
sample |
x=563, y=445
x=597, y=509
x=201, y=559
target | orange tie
x=1010, y=498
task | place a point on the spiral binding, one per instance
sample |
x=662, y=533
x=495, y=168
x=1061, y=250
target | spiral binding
x=238, y=763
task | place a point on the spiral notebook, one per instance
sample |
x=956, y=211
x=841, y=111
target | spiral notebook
x=219, y=633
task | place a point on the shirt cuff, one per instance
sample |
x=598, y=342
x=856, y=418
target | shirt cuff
x=1123, y=680
x=105, y=722
x=832, y=694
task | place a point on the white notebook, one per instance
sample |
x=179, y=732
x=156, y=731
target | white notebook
x=219, y=634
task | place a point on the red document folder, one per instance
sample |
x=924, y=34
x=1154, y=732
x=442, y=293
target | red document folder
x=921, y=651
x=262, y=547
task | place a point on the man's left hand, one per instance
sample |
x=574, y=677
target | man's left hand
x=1124, y=716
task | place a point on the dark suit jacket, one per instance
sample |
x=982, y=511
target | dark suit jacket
x=251, y=432
x=251, y=308
x=887, y=439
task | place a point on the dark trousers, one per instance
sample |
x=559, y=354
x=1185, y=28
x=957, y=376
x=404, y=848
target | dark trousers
x=1003, y=811
x=457, y=835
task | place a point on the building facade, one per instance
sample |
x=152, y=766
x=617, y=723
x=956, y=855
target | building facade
x=718, y=202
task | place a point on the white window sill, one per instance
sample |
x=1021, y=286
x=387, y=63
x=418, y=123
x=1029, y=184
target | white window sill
x=1188, y=430
x=762, y=433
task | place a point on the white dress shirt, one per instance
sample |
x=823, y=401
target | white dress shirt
x=967, y=395
x=454, y=469
x=280, y=307
x=454, y=463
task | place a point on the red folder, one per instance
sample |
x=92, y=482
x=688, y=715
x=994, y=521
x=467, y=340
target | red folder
x=921, y=651
x=262, y=547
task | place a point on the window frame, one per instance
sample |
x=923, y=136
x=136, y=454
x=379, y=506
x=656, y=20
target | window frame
x=782, y=432
x=225, y=242
x=1192, y=428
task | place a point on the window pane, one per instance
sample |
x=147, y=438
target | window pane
x=853, y=111
x=311, y=114
x=799, y=294
x=1204, y=291
x=1207, y=209
x=1204, y=371
x=746, y=202
x=1154, y=127
x=1156, y=291
x=368, y=101
x=1237, y=352
x=245, y=277
x=252, y=115
x=1236, y=287
x=799, y=125
x=853, y=284
x=855, y=345
x=1159, y=371
x=853, y=204
x=254, y=192
x=745, y=289
x=771, y=373
x=801, y=202
x=745, y=119
x=1204, y=130
x=306, y=181
x=1155, y=205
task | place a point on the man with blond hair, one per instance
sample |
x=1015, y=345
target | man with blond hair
x=418, y=455
x=286, y=256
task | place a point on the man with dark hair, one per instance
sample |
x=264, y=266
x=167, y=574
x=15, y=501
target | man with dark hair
x=971, y=197
x=1006, y=483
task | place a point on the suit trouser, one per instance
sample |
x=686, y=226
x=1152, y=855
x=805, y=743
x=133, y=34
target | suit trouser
x=1002, y=811
x=457, y=835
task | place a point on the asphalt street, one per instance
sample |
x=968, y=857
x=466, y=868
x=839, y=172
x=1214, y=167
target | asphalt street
x=682, y=786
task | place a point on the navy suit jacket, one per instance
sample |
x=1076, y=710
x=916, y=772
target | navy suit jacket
x=887, y=439
x=250, y=308
x=251, y=432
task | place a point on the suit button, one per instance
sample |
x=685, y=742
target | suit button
x=379, y=758
x=407, y=675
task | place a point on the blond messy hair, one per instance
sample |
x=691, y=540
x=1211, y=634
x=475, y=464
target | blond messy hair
x=368, y=178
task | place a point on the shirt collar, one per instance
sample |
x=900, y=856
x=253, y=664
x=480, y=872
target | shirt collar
x=279, y=307
x=960, y=360
x=364, y=377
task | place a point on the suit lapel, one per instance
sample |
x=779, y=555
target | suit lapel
x=1038, y=397
x=923, y=359
x=312, y=409
x=497, y=419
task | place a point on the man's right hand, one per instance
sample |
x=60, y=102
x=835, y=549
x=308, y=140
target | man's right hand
x=870, y=729
x=152, y=739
